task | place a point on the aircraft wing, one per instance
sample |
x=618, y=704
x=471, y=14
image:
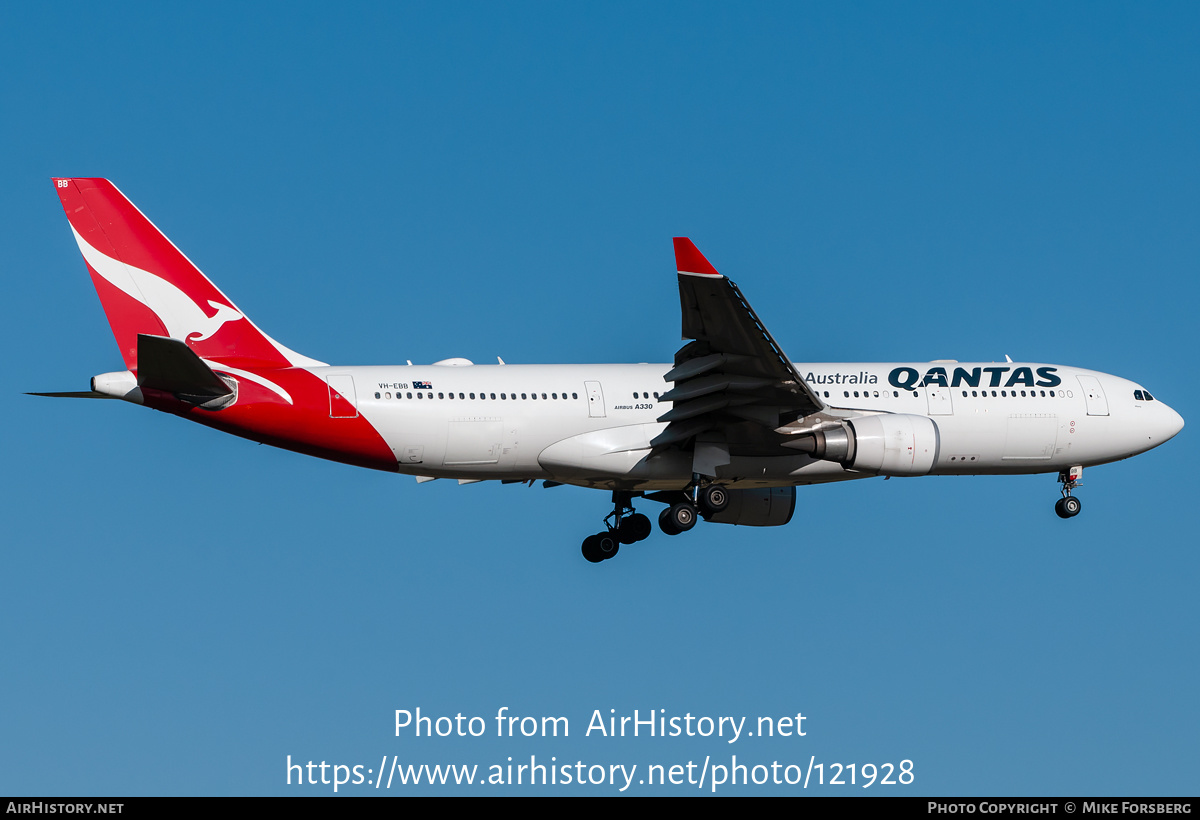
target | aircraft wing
x=732, y=384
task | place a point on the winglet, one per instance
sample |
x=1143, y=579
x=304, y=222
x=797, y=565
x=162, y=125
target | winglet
x=689, y=260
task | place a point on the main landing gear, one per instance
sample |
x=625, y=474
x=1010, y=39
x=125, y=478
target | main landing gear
x=1068, y=506
x=677, y=518
x=624, y=527
x=699, y=501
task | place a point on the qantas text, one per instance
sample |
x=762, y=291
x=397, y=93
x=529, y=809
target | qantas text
x=908, y=378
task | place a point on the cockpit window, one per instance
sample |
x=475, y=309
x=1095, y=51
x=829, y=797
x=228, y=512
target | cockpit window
x=1146, y=393
x=1137, y=394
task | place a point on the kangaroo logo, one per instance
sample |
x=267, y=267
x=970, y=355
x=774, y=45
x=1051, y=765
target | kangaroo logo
x=211, y=323
x=183, y=318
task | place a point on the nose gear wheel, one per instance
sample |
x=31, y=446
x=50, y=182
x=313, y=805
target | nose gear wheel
x=1068, y=506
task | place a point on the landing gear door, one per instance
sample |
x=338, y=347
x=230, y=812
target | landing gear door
x=595, y=398
x=1097, y=404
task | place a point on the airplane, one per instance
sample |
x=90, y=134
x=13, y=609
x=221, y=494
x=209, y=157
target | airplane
x=725, y=433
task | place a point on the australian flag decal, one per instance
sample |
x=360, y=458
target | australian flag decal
x=422, y=385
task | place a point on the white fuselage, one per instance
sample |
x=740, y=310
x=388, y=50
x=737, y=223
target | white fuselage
x=592, y=424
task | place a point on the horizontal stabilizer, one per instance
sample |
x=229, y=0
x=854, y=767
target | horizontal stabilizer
x=86, y=394
x=171, y=366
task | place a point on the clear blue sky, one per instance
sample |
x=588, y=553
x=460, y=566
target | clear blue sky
x=183, y=610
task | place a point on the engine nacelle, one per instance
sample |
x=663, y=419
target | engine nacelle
x=889, y=444
x=894, y=444
x=765, y=507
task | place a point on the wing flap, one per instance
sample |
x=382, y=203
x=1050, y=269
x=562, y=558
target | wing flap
x=702, y=386
x=702, y=406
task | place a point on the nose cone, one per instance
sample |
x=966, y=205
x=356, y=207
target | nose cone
x=1170, y=422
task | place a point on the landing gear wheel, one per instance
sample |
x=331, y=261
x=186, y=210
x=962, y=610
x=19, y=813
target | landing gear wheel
x=681, y=517
x=600, y=547
x=1067, y=507
x=591, y=550
x=713, y=499
x=636, y=527
x=607, y=544
x=664, y=523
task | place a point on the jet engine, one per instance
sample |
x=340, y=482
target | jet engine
x=889, y=444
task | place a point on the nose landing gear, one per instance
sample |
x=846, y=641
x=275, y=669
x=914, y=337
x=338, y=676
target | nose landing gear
x=1068, y=506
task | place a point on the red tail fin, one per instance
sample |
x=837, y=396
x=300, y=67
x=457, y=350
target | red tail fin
x=148, y=286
